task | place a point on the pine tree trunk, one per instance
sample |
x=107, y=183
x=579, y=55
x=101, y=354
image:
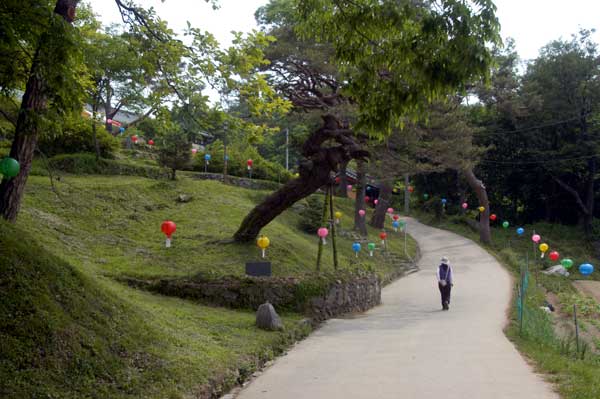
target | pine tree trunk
x=384, y=202
x=33, y=104
x=342, y=189
x=360, y=224
x=315, y=172
x=485, y=234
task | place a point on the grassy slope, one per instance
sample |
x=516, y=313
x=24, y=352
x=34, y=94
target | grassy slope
x=68, y=330
x=552, y=355
x=112, y=225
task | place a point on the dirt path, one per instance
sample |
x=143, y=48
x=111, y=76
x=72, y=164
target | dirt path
x=408, y=347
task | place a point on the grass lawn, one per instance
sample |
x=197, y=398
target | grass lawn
x=69, y=330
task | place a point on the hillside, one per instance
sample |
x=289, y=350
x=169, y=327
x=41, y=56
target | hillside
x=68, y=329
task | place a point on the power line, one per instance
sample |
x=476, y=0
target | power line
x=530, y=128
x=490, y=161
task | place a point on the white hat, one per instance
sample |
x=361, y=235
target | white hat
x=445, y=260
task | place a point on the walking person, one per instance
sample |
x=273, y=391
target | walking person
x=445, y=281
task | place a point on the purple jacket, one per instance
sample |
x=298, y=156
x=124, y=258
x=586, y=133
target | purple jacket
x=444, y=272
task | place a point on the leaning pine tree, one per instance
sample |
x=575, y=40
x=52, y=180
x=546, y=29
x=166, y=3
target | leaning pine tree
x=372, y=61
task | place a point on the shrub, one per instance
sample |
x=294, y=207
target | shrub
x=75, y=136
x=86, y=164
x=311, y=216
x=237, y=165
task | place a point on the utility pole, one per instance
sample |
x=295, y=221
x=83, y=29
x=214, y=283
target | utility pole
x=287, y=149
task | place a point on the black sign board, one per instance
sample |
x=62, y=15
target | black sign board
x=258, y=269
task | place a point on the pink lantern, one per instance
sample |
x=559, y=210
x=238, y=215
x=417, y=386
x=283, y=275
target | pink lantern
x=362, y=213
x=323, y=232
x=349, y=187
x=390, y=210
x=376, y=201
x=109, y=121
x=536, y=238
x=465, y=205
x=194, y=151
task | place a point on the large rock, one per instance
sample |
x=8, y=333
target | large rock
x=267, y=318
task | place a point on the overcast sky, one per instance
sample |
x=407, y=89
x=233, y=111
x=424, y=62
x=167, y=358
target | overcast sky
x=532, y=23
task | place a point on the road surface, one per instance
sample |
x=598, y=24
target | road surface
x=408, y=347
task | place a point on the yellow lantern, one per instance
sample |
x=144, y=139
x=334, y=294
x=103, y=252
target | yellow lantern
x=481, y=209
x=543, y=248
x=263, y=243
x=338, y=216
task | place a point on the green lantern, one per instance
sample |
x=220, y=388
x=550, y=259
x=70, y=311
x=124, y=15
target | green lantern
x=505, y=225
x=371, y=247
x=566, y=263
x=9, y=167
x=425, y=196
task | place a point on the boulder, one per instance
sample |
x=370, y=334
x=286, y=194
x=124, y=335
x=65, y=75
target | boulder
x=183, y=198
x=267, y=318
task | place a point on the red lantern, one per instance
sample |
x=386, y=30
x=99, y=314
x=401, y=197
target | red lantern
x=250, y=163
x=134, y=139
x=337, y=180
x=367, y=198
x=150, y=142
x=554, y=256
x=411, y=189
x=493, y=217
x=168, y=228
x=395, y=217
x=383, y=235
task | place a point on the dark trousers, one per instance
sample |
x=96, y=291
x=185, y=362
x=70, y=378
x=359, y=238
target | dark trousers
x=445, y=292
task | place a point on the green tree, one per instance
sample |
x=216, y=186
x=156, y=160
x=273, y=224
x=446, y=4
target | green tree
x=406, y=52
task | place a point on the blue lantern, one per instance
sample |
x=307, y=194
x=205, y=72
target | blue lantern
x=226, y=157
x=520, y=231
x=122, y=130
x=356, y=248
x=395, y=225
x=444, y=200
x=207, y=157
x=586, y=269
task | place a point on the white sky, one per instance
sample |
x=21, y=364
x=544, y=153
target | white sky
x=532, y=23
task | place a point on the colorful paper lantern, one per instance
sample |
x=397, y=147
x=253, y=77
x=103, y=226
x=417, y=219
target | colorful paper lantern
x=207, y=157
x=444, y=201
x=249, y=163
x=493, y=217
x=520, y=231
x=390, y=211
x=505, y=224
x=371, y=247
x=9, y=167
x=465, y=205
x=425, y=196
x=536, y=238
x=543, y=248
x=168, y=227
x=395, y=217
x=395, y=225
x=263, y=243
x=134, y=138
x=586, y=269
x=356, y=248
x=411, y=189
x=383, y=236
x=349, y=187
x=554, y=256
x=362, y=213
x=150, y=142
x=376, y=201
x=194, y=151
x=338, y=216
x=481, y=209
x=323, y=232
x=566, y=263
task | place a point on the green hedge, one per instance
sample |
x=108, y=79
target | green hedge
x=86, y=164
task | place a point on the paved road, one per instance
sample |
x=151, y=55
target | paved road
x=408, y=347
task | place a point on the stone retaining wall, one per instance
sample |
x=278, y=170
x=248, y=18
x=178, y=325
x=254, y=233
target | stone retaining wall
x=255, y=184
x=320, y=301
